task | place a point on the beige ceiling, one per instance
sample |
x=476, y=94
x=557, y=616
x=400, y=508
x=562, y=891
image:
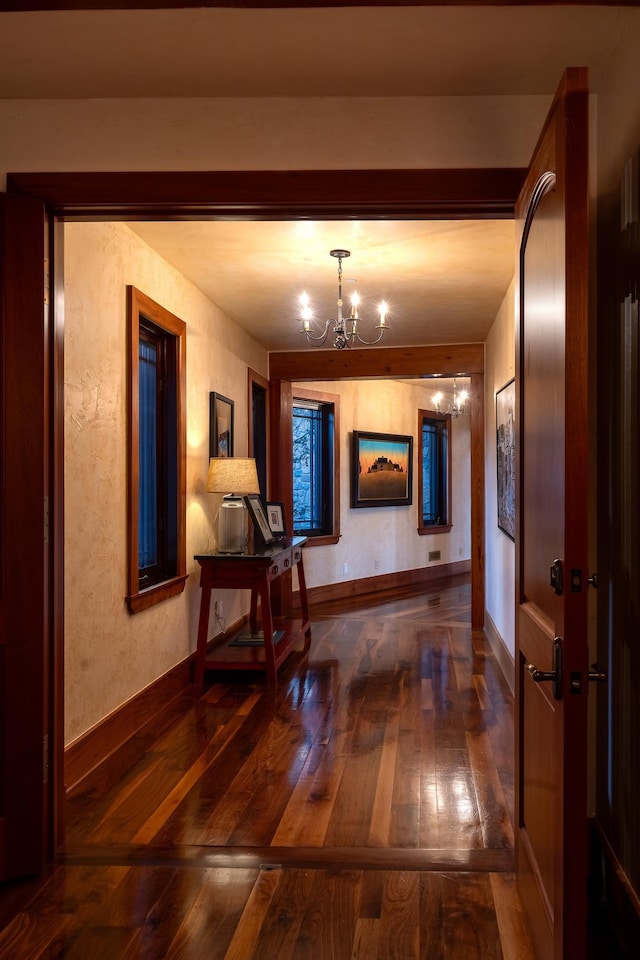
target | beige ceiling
x=444, y=281
x=326, y=52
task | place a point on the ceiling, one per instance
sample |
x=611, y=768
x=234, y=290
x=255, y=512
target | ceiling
x=444, y=282
x=320, y=52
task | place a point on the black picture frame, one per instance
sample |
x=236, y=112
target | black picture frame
x=220, y=426
x=275, y=517
x=262, y=531
x=381, y=469
x=505, y=458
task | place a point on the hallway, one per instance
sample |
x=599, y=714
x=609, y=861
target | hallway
x=363, y=810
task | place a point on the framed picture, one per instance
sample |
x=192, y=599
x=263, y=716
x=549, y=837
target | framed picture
x=275, y=516
x=505, y=440
x=220, y=426
x=261, y=526
x=381, y=469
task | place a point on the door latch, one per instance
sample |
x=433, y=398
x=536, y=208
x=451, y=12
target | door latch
x=556, y=577
x=555, y=675
x=594, y=675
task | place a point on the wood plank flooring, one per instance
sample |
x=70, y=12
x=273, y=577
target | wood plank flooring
x=362, y=810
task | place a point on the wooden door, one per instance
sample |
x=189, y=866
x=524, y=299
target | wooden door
x=552, y=527
x=25, y=596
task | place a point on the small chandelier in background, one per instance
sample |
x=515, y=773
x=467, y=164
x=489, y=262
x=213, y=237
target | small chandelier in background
x=345, y=329
x=456, y=407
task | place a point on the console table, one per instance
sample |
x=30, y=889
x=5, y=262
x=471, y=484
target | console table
x=255, y=571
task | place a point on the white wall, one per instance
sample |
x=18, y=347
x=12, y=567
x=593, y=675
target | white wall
x=277, y=133
x=387, y=536
x=500, y=549
x=110, y=655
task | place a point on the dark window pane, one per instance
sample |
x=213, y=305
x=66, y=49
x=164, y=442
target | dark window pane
x=148, y=456
x=307, y=469
x=434, y=472
x=314, y=459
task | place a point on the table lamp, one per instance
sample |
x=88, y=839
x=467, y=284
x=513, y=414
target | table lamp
x=233, y=476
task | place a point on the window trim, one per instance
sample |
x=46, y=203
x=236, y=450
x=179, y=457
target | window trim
x=330, y=398
x=140, y=306
x=425, y=530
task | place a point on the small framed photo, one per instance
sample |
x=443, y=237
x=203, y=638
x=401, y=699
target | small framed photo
x=261, y=526
x=220, y=426
x=275, y=516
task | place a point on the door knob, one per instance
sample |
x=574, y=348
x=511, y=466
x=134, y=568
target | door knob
x=596, y=675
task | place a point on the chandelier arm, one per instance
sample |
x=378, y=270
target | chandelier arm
x=321, y=337
x=368, y=343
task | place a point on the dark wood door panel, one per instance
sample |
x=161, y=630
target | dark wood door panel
x=24, y=586
x=552, y=527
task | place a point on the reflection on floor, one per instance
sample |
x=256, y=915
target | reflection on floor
x=363, y=810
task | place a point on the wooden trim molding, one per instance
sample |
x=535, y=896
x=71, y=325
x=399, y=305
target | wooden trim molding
x=476, y=390
x=334, y=400
x=451, y=359
x=462, y=193
x=104, y=752
x=99, y=756
x=447, y=194
x=138, y=304
x=424, y=529
x=255, y=381
x=144, y=599
x=445, y=359
x=503, y=657
x=41, y=5
x=385, y=582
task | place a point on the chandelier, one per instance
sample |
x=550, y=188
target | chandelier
x=456, y=407
x=345, y=330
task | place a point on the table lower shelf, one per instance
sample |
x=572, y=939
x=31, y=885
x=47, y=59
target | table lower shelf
x=230, y=655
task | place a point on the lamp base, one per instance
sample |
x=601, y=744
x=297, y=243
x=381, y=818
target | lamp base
x=232, y=526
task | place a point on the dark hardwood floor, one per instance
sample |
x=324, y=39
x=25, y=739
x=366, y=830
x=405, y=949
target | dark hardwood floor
x=362, y=810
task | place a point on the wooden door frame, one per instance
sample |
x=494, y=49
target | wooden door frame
x=258, y=195
x=384, y=362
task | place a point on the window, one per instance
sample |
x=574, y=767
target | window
x=434, y=474
x=258, y=426
x=156, y=452
x=316, y=468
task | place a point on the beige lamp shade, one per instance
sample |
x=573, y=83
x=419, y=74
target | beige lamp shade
x=232, y=475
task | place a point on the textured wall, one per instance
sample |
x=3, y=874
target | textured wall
x=500, y=550
x=388, y=535
x=109, y=654
x=272, y=133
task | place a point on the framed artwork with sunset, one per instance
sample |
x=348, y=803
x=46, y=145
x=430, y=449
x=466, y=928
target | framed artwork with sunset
x=381, y=469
